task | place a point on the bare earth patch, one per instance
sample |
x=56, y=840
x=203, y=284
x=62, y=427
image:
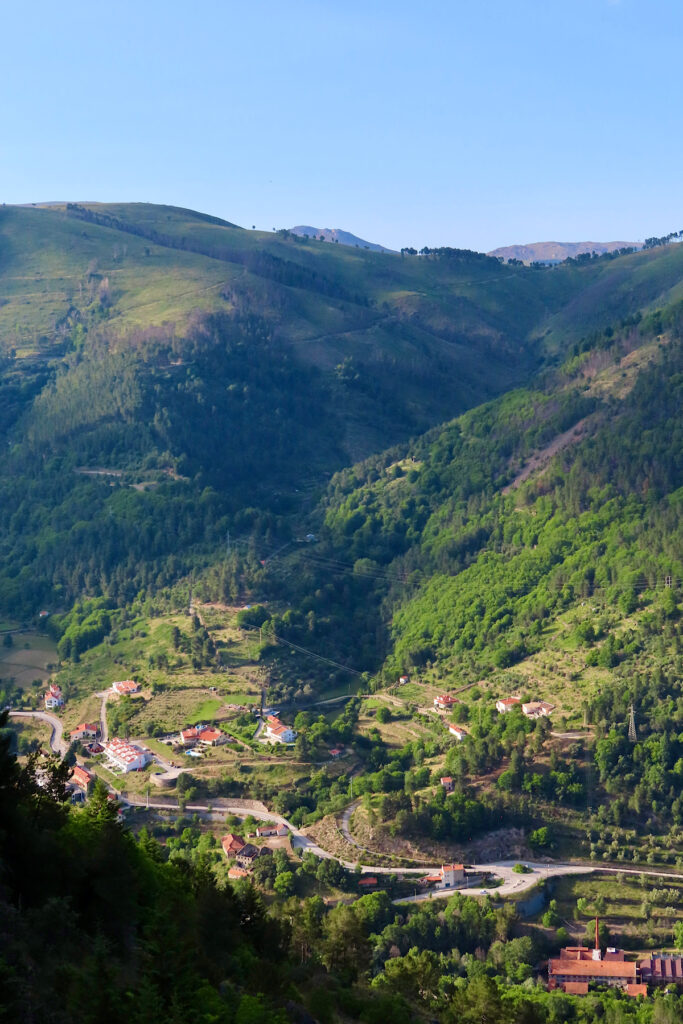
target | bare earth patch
x=503, y=844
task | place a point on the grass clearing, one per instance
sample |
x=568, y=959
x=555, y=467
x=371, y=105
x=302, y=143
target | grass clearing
x=626, y=905
x=32, y=656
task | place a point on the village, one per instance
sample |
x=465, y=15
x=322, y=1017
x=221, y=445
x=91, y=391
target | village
x=575, y=970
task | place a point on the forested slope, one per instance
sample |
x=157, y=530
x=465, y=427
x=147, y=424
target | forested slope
x=454, y=564
x=168, y=377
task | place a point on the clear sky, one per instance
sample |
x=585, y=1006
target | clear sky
x=471, y=123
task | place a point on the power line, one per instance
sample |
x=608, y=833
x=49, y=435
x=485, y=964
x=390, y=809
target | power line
x=304, y=650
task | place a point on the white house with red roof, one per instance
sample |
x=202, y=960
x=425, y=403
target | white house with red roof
x=277, y=732
x=84, y=731
x=54, y=697
x=188, y=737
x=445, y=702
x=211, y=737
x=264, y=831
x=126, y=687
x=447, y=783
x=507, y=704
x=125, y=757
x=452, y=875
x=456, y=731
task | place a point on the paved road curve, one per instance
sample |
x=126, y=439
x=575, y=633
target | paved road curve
x=57, y=741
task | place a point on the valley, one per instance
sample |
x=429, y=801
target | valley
x=382, y=547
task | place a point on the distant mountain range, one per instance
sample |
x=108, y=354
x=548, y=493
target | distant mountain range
x=557, y=251
x=337, y=235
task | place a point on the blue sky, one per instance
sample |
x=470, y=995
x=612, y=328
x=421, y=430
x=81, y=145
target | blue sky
x=471, y=123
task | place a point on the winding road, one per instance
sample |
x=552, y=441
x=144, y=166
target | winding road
x=57, y=741
x=511, y=881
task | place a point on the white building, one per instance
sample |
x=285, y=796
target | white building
x=459, y=733
x=452, y=875
x=445, y=702
x=53, y=697
x=125, y=687
x=125, y=757
x=506, y=704
x=278, y=732
x=537, y=709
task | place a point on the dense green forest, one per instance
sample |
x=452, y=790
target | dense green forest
x=168, y=378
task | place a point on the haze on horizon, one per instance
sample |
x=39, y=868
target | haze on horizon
x=468, y=125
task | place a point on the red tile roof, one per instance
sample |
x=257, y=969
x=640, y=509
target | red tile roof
x=232, y=844
x=236, y=872
x=81, y=777
x=592, y=968
x=367, y=880
x=660, y=967
x=275, y=725
x=123, y=751
x=85, y=727
x=126, y=686
x=209, y=735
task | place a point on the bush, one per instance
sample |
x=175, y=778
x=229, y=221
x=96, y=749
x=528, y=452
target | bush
x=541, y=838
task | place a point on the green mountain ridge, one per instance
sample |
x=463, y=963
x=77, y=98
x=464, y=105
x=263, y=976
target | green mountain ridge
x=229, y=371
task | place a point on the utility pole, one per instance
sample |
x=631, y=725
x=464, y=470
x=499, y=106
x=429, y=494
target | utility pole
x=632, y=735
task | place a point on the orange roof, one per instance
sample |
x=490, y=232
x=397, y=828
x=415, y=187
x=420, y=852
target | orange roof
x=452, y=867
x=238, y=873
x=276, y=726
x=576, y=988
x=209, y=735
x=593, y=968
x=80, y=776
x=90, y=726
x=367, y=880
x=633, y=989
x=126, y=686
x=232, y=844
